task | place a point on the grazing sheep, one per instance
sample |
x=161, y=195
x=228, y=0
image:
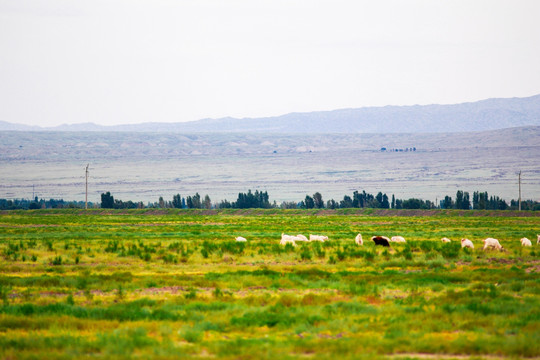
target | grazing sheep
x=538, y=240
x=358, y=240
x=240, y=238
x=491, y=242
x=318, y=238
x=381, y=240
x=445, y=240
x=287, y=239
x=301, y=237
x=467, y=243
x=398, y=239
x=525, y=242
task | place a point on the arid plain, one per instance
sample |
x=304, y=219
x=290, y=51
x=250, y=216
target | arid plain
x=145, y=166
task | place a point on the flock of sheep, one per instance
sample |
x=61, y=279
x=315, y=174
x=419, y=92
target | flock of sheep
x=492, y=243
x=385, y=241
x=290, y=239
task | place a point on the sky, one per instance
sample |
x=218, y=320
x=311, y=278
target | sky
x=132, y=61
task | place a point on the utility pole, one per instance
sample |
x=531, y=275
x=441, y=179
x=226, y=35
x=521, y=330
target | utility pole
x=86, y=200
x=519, y=199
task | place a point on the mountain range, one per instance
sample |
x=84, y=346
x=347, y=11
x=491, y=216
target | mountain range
x=490, y=114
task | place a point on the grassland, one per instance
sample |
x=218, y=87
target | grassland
x=173, y=283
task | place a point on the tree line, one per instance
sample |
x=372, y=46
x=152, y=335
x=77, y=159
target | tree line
x=482, y=201
x=257, y=199
x=261, y=199
x=36, y=203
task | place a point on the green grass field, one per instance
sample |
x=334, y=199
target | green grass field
x=168, y=284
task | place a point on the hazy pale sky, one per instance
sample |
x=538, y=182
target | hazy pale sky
x=118, y=62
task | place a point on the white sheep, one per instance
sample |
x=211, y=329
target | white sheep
x=358, y=240
x=467, y=243
x=538, y=240
x=446, y=240
x=287, y=239
x=240, y=239
x=525, y=242
x=491, y=242
x=301, y=237
x=321, y=238
x=398, y=239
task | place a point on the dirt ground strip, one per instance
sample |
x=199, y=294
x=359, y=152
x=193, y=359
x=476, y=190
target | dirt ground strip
x=451, y=357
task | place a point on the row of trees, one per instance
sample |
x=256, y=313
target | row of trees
x=257, y=199
x=28, y=204
x=366, y=200
x=109, y=202
x=480, y=201
x=260, y=199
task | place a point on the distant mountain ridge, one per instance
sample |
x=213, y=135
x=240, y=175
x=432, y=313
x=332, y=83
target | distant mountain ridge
x=490, y=114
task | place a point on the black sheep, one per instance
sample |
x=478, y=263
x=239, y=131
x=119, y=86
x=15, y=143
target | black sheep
x=381, y=240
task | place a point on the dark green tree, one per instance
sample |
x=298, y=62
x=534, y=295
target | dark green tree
x=34, y=205
x=413, y=204
x=119, y=204
x=466, y=203
x=459, y=199
x=309, y=203
x=417, y=204
x=483, y=200
x=346, y=202
x=107, y=200
x=258, y=199
x=197, y=201
x=177, y=201
x=379, y=199
x=318, y=200
x=207, y=202
x=357, y=200
x=194, y=202
x=332, y=204
x=224, y=204
x=385, y=204
x=447, y=203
